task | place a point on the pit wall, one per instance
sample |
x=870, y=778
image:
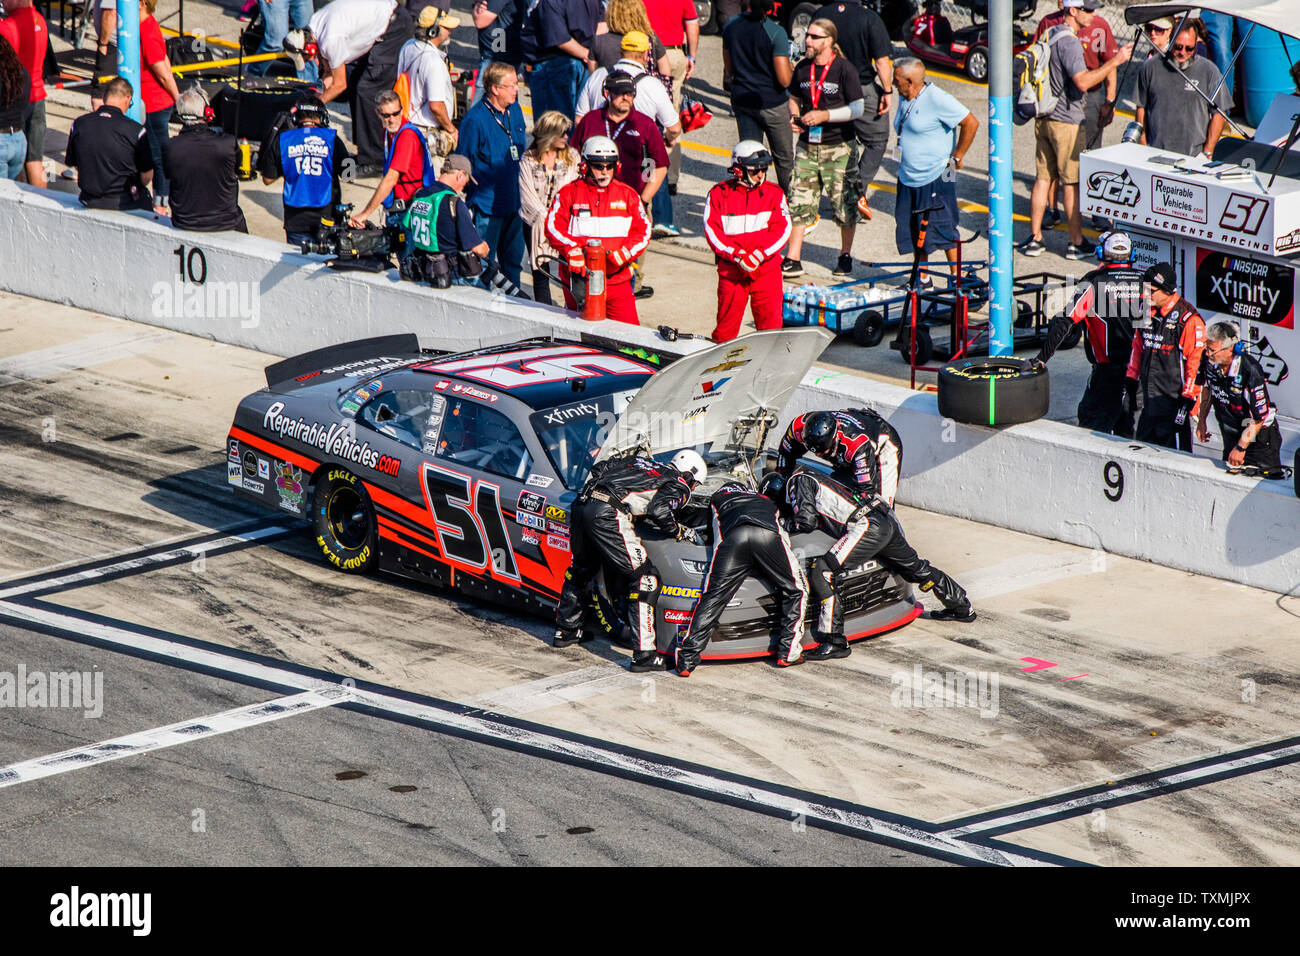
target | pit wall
x=1043, y=478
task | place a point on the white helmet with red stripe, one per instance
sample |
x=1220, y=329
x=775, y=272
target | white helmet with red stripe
x=749, y=157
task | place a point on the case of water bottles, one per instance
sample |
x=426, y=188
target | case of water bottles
x=831, y=308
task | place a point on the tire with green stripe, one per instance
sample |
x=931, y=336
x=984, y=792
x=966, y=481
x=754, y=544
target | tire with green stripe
x=993, y=391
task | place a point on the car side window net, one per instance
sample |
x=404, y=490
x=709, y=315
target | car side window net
x=483, y=438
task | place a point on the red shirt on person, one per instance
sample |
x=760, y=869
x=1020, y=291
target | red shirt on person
x=153, y=49
x=667, y=18
x=408, y=160
x=28, y=34
x=637, y=138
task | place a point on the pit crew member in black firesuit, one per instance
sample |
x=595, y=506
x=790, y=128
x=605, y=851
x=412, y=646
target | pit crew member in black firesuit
x=1109, y=300
x=864, y=529
x=1166, y=357
x=604, y=529
x=747, y=539
x=1247, y=418
x=864, y=450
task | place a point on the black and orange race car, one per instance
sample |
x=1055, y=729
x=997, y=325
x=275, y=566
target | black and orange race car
x=459, y=469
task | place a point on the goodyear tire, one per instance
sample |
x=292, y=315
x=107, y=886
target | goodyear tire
x=869, y=329
x=993, y=391
x=344, y=520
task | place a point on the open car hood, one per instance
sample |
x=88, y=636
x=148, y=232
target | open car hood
x=702, y=398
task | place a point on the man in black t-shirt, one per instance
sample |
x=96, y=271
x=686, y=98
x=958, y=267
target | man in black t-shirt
x=202, y=165
x=866, y=44
x=825, y=99
x=756, y=71
x=498, y=23
x=111, y=153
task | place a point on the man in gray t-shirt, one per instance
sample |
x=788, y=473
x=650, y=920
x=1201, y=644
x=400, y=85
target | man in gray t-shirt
x=1173, y=114
x=1059, y=136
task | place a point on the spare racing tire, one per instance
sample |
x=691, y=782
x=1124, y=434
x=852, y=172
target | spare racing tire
x=343, y=518
x=993, y=391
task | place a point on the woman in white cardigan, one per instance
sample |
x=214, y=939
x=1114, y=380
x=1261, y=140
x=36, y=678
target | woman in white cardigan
x=547, y=165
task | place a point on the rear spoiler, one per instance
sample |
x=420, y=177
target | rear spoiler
x=359, y=350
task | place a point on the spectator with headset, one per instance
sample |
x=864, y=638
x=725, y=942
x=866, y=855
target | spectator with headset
x=310, y=156
x=432, y=101
x=202, y=163
x=1252, y=441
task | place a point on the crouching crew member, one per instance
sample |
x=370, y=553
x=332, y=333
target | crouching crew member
x=1109, y=301
x=1165, y=359
x=865, y=530
x=747, y=223
x=747, y=540
x=442, y=245
x=1239, y=391
x=619, y=491
x=202, y=165
x=310, y=157
x=597, y=206
x=864, y=450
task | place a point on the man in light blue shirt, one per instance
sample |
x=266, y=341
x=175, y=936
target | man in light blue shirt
x=934, y=133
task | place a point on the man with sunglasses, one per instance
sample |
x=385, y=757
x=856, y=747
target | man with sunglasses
x=598, y=206
x=1247, y=417
x=407, y=167
x=1171, y=92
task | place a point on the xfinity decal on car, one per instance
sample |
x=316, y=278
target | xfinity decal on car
x=558, y=416
x=531, y=502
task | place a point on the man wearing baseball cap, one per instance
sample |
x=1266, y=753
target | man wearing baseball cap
x=1165, y=360
x=439, y=224
x=422, y=67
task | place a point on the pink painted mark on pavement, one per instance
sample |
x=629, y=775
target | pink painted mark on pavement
x=1075, y=677
x=1038, y=665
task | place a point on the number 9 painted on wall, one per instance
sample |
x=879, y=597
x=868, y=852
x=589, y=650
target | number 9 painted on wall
x=1113, y=475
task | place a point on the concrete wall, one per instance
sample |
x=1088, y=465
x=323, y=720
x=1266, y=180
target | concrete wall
x=1043, y=478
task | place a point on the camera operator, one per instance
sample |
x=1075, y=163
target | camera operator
x=407, y=167
x=310, y=156
x=111, y=153
x=1239, y=391
x=202, y=164
x=442, y=245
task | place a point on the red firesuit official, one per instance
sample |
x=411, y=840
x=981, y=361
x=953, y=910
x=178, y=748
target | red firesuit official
x=599, y=207
x=1166, y=357
x=747, y=223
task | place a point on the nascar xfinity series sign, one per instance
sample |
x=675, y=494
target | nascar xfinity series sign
x=1178, y=196
x=1245, y=288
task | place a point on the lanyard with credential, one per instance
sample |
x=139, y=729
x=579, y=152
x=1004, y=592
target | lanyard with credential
x=911, y=106
x=815, y=85
x=514, y=150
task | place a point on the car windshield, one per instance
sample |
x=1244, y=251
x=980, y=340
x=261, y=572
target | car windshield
x=573, y=433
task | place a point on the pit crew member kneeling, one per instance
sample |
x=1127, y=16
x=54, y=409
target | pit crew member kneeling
x=746, y=222
x=1109, y=299
x=864, y=450
x=747, y=539
x=865, y=531
x=597, y=206
x=1252, y=442
x=619, y=491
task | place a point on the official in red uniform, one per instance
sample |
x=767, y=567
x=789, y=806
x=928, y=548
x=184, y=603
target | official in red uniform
x=747, y=223
x=598, y=207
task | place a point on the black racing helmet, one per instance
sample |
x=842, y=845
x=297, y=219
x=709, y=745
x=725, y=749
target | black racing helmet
x=772, y=485
x=819, y=430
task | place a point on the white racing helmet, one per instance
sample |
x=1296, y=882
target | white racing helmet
x=749, y=156
x=600, y=149
x=690, y=463
x=1114, y=246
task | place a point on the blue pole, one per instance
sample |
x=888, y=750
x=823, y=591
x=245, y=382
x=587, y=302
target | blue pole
x=128, y=53
x=1002, y=307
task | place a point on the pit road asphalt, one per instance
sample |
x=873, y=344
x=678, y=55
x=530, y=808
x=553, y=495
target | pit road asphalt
x=1131, y=714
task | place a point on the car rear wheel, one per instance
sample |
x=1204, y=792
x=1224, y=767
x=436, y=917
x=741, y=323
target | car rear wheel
x=977, y=64
x=344, y=520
